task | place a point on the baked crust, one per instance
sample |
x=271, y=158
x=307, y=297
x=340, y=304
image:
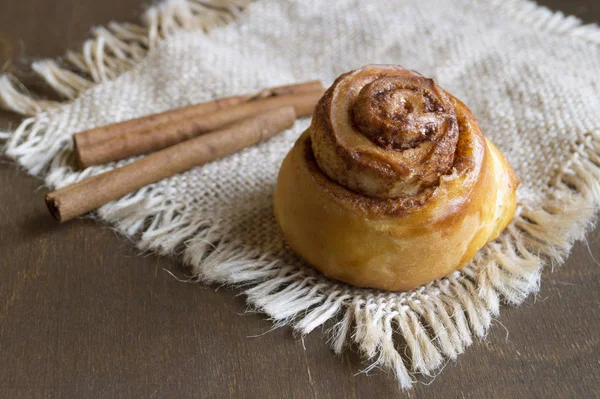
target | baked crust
x=352, y=210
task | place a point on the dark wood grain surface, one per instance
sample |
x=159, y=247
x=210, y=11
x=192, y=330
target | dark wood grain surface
x=82, y=314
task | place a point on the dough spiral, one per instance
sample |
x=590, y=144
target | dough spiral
x=393, y=185
x=385, y=134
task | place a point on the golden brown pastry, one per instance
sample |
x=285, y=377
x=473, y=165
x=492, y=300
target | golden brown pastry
x=393, y=185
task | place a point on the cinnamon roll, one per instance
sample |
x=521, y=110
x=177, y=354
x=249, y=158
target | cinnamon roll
x=393, y=185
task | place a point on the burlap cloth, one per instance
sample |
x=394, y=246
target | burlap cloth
x=530, y=76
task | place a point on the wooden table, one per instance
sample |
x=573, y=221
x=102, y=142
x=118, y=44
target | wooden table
x=81, y=314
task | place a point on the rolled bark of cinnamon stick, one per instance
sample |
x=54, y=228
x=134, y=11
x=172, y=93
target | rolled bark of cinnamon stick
x=100, y=134
x=91, y=193
x=155, y=137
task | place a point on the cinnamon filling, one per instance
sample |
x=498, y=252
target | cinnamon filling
x=385, y=132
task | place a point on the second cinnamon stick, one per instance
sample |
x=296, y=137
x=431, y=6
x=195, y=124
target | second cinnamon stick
x=91, y=193
x=100, y=134
x=137, y=142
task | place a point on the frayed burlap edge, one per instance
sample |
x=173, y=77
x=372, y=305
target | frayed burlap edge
x=407, y=333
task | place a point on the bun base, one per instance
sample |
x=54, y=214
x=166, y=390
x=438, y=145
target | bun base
x=353, y=239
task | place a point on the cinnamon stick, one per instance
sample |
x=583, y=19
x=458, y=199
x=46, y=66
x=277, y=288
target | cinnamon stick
x=91, y=193
x=141, y=141
x=97, y=135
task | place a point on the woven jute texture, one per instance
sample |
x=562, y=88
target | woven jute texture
x=531, y=77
